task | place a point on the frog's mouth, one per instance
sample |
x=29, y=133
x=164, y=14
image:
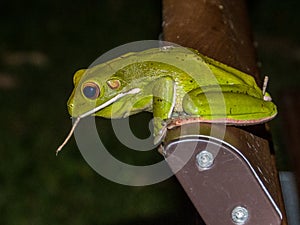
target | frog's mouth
x=110, y=101
x=92, y=111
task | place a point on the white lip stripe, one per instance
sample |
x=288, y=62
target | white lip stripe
x=105, y=104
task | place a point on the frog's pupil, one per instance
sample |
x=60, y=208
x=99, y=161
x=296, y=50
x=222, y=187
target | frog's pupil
x=90, y=92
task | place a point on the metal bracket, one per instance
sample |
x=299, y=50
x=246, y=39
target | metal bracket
x=226, y=179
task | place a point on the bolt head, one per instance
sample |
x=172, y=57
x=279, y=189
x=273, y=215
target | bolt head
x=239, y=215
x=204, y=159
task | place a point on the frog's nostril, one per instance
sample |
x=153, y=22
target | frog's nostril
x=70, y=108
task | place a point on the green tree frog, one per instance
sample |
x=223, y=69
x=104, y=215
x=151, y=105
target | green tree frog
x=170, y=82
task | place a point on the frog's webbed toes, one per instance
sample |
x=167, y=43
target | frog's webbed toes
x=160, y=136
x=160, y=129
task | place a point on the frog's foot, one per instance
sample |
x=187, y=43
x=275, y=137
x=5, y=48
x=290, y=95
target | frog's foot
x=168, y=124
x=158, y=138
x=266, y=96
x=179, y=121
x=177, y=114
x=160, y=134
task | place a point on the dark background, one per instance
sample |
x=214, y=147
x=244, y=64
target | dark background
x=42, y=44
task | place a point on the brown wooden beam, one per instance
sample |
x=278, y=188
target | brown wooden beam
x=219, y=29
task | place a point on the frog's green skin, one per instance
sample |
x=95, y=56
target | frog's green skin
x=172, y=82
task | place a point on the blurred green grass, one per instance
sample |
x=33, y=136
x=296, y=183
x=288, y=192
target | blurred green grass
x=42, y=43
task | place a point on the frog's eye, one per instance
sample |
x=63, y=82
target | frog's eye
x=91, y=90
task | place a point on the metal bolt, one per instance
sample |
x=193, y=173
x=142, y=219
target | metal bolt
x=205, y=159
x=239, y=215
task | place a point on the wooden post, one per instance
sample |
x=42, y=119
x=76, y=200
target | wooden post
x=220, y=30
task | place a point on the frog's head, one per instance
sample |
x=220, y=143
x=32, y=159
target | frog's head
x=95, y=95
x=92, y=90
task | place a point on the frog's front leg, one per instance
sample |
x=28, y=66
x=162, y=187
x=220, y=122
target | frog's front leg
x=164, y=91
